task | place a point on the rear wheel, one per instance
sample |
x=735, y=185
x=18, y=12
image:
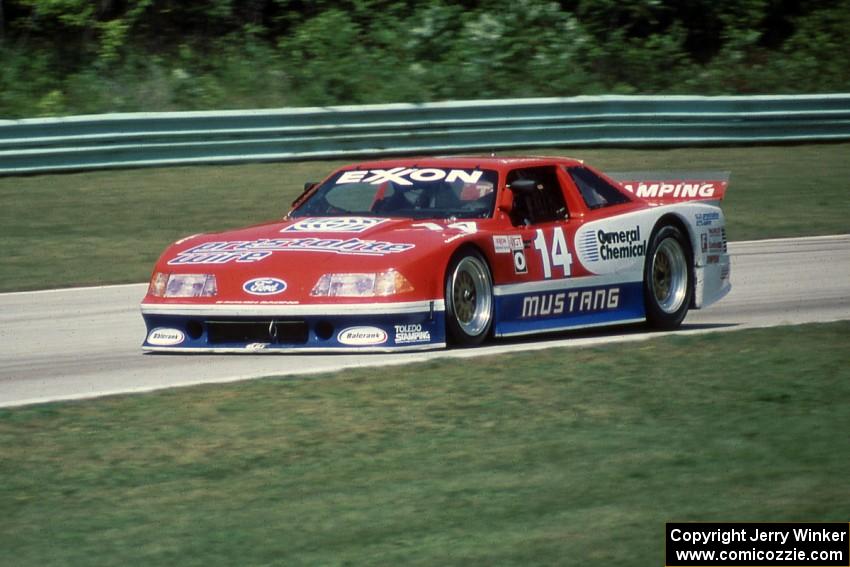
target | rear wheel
x=469, y=299
x=668, y=278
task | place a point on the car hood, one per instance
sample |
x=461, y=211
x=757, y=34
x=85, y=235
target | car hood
x=298, y=252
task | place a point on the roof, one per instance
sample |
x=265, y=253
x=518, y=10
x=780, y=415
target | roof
x=472, y=162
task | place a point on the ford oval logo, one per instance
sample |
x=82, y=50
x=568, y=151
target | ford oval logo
x=362, y=336
x=264, y=286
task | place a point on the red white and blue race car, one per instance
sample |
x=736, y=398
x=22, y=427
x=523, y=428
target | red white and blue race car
x=419, y=253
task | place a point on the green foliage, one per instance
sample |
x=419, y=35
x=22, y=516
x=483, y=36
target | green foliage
x=74, y=56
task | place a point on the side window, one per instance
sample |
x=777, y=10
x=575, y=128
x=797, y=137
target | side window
x=595, y=191
x=545, y=204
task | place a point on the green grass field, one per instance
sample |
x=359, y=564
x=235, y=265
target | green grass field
x=110, y=226
x=563, y=456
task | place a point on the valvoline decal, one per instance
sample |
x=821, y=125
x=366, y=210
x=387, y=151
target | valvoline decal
x=264, y=286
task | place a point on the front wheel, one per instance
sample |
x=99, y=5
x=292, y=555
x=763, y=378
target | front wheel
x=667, y=278
x=469, y=299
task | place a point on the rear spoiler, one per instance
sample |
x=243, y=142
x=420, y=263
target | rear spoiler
x=664, y=187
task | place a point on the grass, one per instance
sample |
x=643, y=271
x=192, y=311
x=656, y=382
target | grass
x=544, y=458
x=110, y=226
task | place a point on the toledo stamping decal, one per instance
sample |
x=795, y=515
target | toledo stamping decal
x=607, y=251
x=406, y=176
x=248, y=251
x=166, y=337
x=413, y=333
x=584, y=301
x=334, y=224
x=362, y=336
x=264, y=286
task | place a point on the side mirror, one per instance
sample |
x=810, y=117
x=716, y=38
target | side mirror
x=307, y=187
x=524, y=186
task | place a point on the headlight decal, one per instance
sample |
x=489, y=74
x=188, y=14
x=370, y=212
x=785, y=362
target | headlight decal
x=371, y=284
x=183, y=285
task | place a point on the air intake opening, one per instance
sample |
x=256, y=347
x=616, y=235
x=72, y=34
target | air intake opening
x=264, y=331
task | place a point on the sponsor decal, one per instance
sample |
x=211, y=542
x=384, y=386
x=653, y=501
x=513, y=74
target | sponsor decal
x=602, y=245
x=703, y=240
x=466, y=227
x=334, y=224
x=264, y=286
x=249, y=251
x=413, y=333
x=166, y=337
x=520, y=262
x=713, y=259
x=707, y=219
x=254, y=347
x=674, y=190
x=501, y=244
x=579, y=301
x=516, y=242
x=406, y=176
x=362, y=336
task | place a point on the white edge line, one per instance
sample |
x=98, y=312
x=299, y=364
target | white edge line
x=116, y=286
x=408, y=359
x=61, y=289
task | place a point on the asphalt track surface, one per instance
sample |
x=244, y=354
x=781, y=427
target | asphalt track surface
x=85, y=342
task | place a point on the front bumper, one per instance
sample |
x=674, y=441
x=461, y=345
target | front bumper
x=249, y=328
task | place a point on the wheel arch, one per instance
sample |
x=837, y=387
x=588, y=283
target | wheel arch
x=679, y=222
x=468, y=245
x=462, y=250
x=675, y=219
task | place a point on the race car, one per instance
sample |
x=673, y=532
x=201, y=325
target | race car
x=421, y=253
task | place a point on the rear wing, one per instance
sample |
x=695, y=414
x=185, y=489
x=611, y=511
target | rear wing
x=664, y=187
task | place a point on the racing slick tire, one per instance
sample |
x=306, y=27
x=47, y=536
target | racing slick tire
x=668, y=286
x=469, y=299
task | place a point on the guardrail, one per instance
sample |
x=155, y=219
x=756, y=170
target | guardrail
x=175, y=138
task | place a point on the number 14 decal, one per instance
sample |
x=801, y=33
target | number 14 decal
x=560, y=253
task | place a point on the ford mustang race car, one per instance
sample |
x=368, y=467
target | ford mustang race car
x=419, y=253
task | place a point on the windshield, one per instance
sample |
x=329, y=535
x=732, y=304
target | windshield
x=416, y=193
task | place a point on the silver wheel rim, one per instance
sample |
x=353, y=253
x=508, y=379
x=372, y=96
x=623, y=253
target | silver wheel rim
x=669, y=275
x=471, y=297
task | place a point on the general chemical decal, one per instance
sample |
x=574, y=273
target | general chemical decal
x=607, y=250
